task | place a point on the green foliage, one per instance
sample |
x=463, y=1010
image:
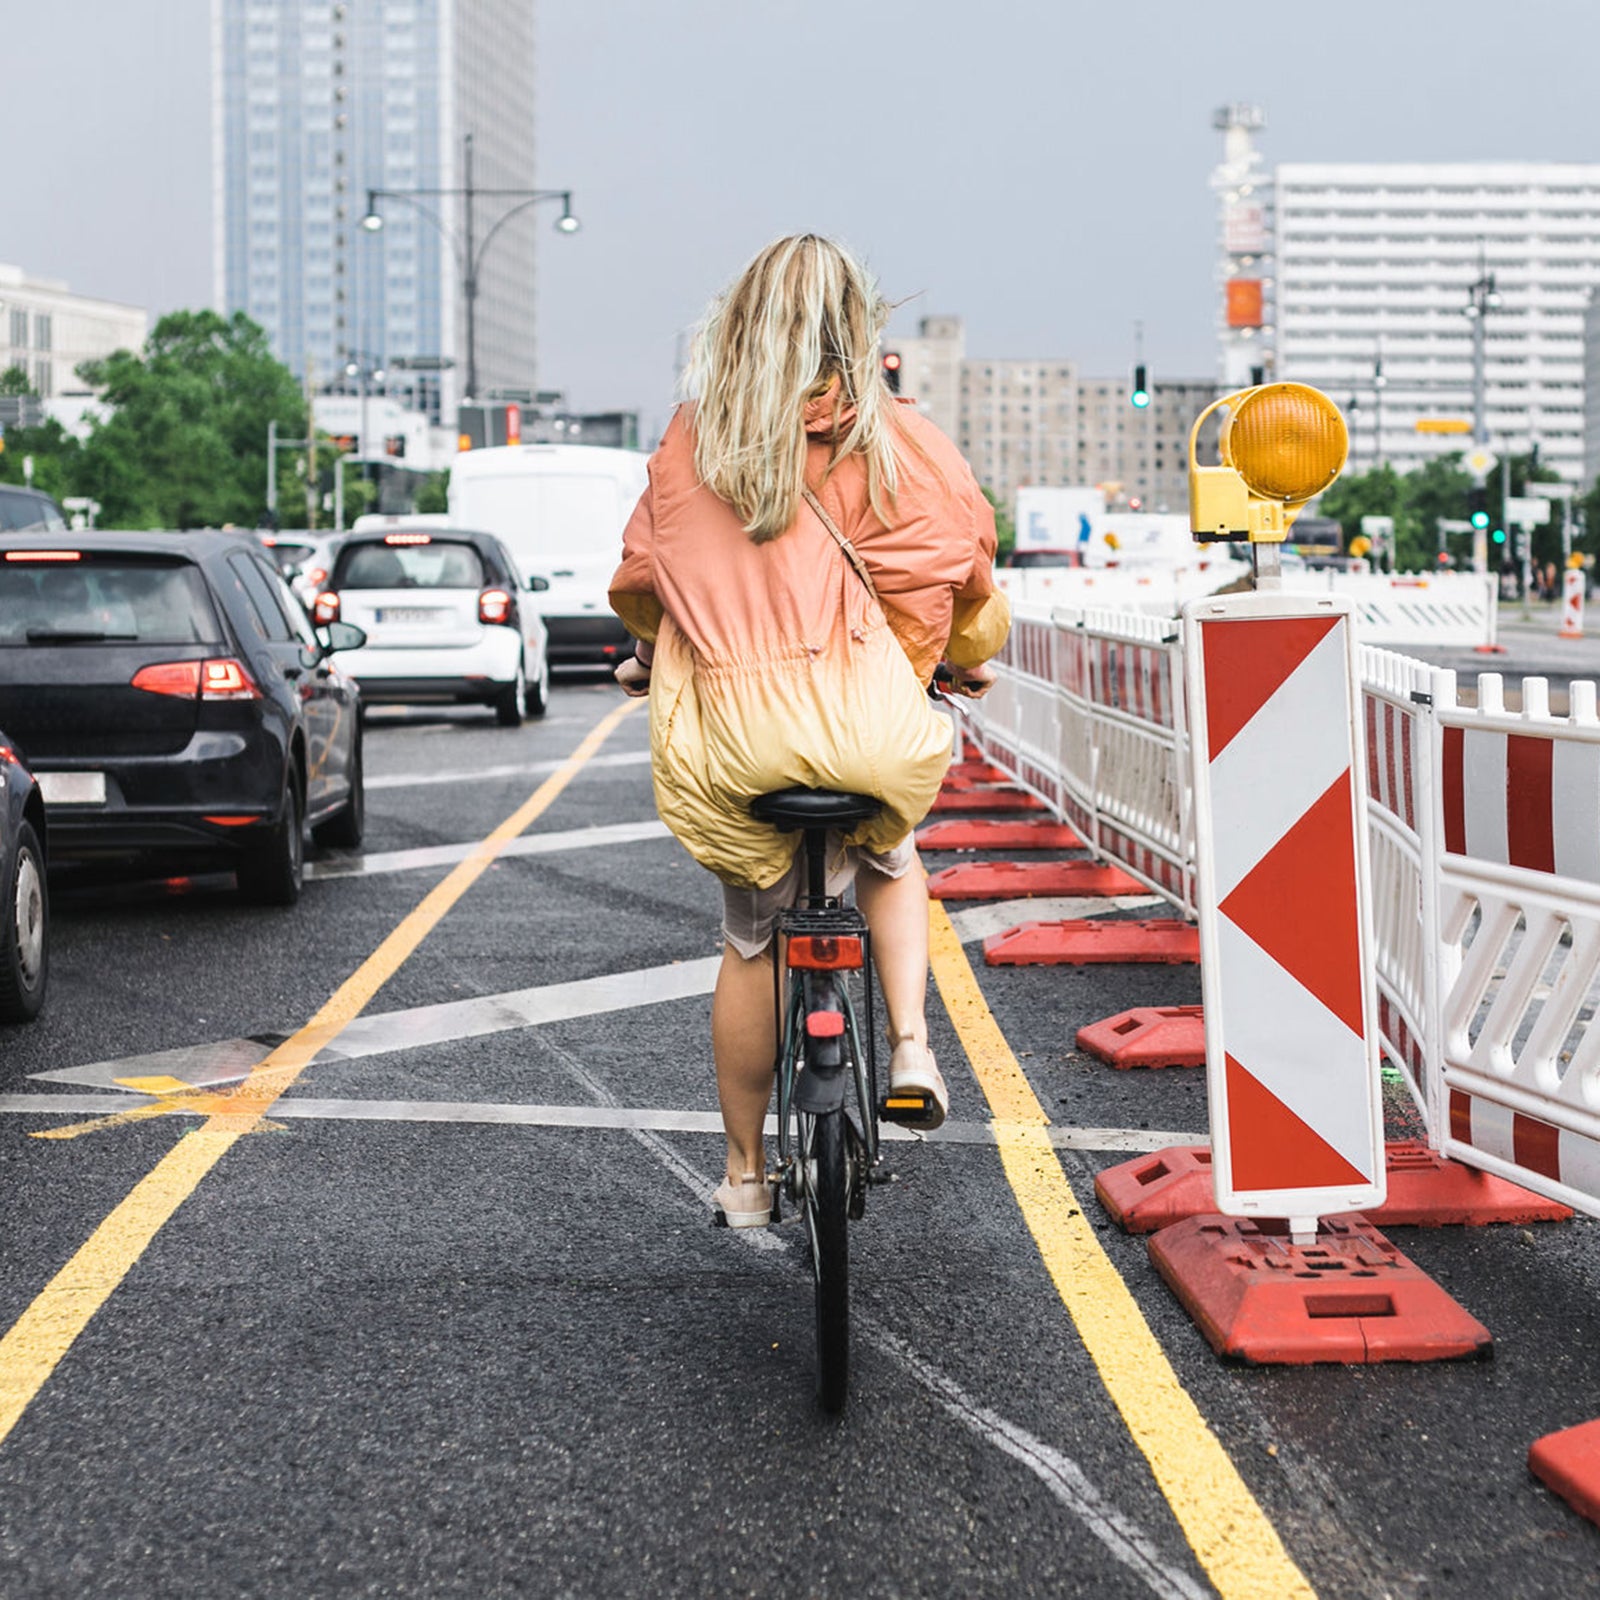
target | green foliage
x=184, y=443
x=434, y=496
x=14, y=380
x=1005, y=530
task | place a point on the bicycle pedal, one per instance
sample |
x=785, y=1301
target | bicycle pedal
x=910, y=1106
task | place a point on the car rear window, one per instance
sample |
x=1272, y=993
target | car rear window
x=117, y=600
x=22, y=513
x=438, y=564
x=286, y=557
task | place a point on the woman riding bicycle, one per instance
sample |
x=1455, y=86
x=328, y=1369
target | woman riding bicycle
x=770, y=665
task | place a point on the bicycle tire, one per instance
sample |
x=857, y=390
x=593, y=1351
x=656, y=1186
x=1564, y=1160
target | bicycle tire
x=827, y=1207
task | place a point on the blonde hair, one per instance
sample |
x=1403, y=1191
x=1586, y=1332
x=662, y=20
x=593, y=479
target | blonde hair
x=803, y=318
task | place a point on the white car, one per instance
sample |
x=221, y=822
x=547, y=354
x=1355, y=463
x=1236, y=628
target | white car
x=303, y=559
x=448, y=618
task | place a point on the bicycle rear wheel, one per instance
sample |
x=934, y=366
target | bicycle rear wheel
x=827, y=1206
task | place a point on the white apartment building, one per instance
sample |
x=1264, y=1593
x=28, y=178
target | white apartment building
x=1372, y=273
x=46, y=330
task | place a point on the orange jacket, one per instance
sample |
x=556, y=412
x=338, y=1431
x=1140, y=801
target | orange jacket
x=773, y=665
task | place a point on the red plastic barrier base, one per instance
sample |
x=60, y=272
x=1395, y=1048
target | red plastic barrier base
x=986, y=800
x=1350, y=1296
x=967, y=774
x=1085, y=943
x=1149, y=1036
x=1569, y=1463
x=1014, y=880
x=985, y=833
x=1158, y=1190
x=1488, y=649
x=1425, y=1191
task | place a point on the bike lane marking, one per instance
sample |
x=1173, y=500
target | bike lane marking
x=35, y=1344
x=1230, y=1534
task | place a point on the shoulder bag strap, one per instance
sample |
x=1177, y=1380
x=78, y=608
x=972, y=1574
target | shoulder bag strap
x=850, y=553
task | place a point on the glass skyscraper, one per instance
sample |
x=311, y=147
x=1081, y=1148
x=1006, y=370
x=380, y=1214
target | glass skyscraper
x=315, y=102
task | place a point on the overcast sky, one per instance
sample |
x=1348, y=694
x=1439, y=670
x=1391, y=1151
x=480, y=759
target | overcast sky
x=1036, y=166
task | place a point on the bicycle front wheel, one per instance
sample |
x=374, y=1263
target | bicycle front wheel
x=827, y=1207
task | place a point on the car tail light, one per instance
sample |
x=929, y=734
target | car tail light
x=317, y=576
x=221, y=678
x=325, y=608
x=408, y=538
x=8, y=756
x=825, y=952
x=494, y=605
x=44, y=555
x=226, y=679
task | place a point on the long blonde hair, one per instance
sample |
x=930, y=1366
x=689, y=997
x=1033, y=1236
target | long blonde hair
x=803, y=318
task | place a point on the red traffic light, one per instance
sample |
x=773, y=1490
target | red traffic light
x=891, y=371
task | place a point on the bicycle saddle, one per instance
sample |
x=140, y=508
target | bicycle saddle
x=789, y=810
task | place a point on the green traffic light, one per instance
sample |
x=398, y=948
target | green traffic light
x=1480, y=519
x=1499, y=536
x=1140, y=398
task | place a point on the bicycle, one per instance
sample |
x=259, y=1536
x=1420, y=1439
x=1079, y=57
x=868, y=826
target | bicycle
x=828, y=1149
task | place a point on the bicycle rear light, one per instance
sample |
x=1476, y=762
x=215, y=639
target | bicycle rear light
x=815, y=952
x=825, y=1024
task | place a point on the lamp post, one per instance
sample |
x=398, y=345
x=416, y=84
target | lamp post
x=469, y=250
x=1482, y=298
x=367, y=370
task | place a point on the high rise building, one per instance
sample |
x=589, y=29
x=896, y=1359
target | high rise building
x=1367, y=290
x=1037, y=421
x=316, y=102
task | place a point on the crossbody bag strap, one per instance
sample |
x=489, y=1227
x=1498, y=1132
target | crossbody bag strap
x=851, y=554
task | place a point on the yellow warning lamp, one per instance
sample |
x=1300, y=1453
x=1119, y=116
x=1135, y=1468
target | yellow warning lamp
x=1360, y=546
x=1282, y=444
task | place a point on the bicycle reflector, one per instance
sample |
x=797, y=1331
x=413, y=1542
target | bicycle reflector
x=815, y=952
x=1282, y=444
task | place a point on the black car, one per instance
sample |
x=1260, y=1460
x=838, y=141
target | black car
x=24, y=897
x=28, y=511
x=176, y=704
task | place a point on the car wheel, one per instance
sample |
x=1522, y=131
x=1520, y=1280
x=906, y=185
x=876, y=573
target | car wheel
x=512, y=705
x=24, y=932
x=345, y=828
x=273, y=872
x=539, y=690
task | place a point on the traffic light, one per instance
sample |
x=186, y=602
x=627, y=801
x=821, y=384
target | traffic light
x=1478, y=507
x=891, y=371
x=1498, y=535
x=1141, y=388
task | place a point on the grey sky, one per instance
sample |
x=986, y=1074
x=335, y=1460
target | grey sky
x=1038, y=166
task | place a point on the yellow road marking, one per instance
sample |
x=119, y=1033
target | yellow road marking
x=1229, y=1532
x=35, y=1344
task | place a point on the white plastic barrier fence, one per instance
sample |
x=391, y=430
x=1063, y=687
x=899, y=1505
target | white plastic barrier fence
x=1444, y=610
x=1483, y=826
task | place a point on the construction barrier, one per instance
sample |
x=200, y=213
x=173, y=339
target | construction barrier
x=1573, y=581
x=1483, y=832
x=1440, y=609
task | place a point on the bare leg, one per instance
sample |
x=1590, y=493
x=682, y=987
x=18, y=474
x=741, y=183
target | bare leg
x=744, y=1041
x=896, y=910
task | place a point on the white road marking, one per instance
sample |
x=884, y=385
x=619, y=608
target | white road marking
x=608, y=1117
x=414, y=780
x=378, y=1033
x=979, y=922
x=447, y=855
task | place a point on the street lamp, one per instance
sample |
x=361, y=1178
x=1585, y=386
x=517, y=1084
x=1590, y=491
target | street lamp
x=1482, y=298
x=469, y=250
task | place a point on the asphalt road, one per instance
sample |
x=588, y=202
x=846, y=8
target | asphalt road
x=451, y=1321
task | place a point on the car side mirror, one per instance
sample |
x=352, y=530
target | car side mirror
x=538, y=585
x=336, y=636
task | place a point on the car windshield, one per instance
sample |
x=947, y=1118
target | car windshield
x=25, y=513
x=439, y=564
x=104, y=601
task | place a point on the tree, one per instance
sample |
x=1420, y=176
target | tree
x=53, y=451
x=14, y=381
x=434, y=495
x=184, y=444
x=1005, y=529
x=1378, y=492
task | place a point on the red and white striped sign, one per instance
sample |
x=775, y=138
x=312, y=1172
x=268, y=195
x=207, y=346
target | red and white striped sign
x=1514, y=1144
x=1296, y=1110
x=1572, y=584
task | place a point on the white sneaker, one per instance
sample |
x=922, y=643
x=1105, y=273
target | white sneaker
x=746, y=1204
x=917, y=1097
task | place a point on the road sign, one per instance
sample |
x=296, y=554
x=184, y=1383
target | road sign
x=1443, y=425
x=1378, y=529
x=1481, y=462
x=1527, y=510
x=1452, y=525
x=1556, y=491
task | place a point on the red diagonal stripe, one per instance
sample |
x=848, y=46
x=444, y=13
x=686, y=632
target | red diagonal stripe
x=1455, y=794
x=1530, y=825
x=1246, y=662
x=1299, y=904
x=1270, y=1147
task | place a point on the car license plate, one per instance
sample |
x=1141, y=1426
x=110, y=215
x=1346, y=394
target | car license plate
x=423, y=616
x=72, y=788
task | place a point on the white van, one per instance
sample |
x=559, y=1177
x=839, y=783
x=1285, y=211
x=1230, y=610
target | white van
x=561, y=508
